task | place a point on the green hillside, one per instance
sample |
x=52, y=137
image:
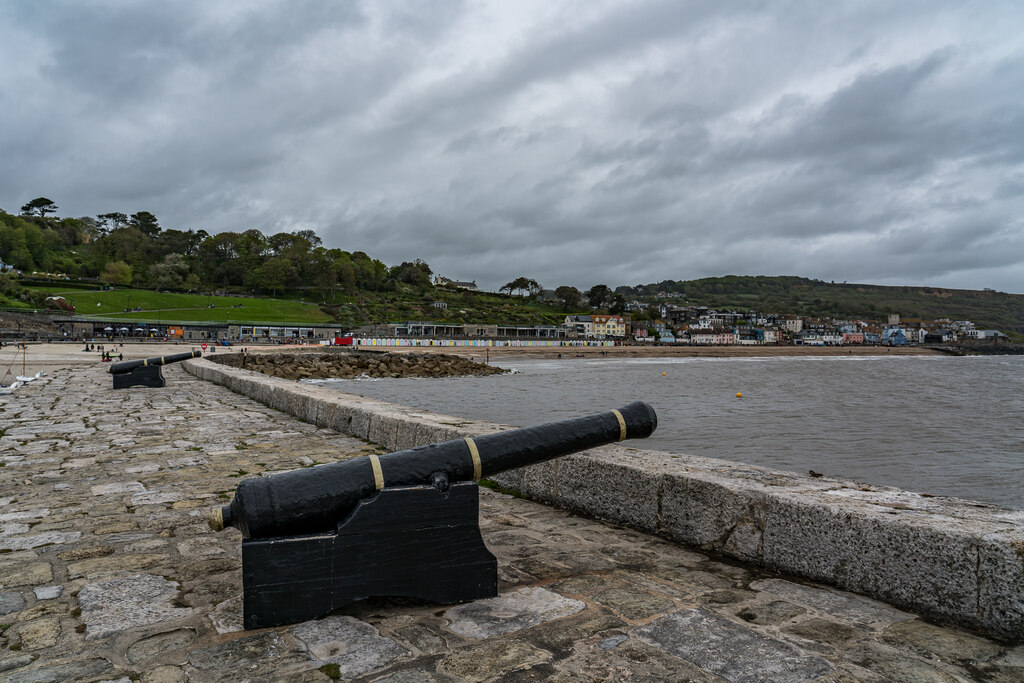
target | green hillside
x=122, y=261
x=797, y=295
x=108, y=304
x=403, y=304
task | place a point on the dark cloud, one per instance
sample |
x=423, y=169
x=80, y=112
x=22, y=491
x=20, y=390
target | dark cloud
x=571, y=142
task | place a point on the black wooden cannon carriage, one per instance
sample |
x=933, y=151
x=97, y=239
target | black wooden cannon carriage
x=401, y=524
x=146, y=372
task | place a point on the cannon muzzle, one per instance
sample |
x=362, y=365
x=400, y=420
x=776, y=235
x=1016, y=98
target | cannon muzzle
x=129, y=365
x=317, y=499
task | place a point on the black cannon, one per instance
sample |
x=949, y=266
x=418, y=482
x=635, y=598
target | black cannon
x=401, y=524
x=145, y=372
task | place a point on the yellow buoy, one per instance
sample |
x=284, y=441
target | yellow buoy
x=663, y=374
x=739, y=395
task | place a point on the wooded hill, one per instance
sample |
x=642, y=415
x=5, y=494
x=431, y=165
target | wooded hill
x=355, y=288
x=798, y=295
x=134, y=251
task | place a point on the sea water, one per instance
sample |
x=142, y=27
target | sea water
x=933, y=424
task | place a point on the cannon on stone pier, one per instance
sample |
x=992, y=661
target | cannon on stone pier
x=146, y=372
x=402, y=524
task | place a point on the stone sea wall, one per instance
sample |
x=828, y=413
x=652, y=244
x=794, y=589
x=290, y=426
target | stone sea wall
x=944, y=558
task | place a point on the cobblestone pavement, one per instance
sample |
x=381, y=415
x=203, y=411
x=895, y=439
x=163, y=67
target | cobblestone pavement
x=108, y=572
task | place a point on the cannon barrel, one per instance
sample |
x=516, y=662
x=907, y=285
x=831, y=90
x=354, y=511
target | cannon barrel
x=316, y=499
x=129, y=365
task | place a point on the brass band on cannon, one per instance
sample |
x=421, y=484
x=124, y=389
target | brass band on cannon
x=146, y=372
x=402, y=524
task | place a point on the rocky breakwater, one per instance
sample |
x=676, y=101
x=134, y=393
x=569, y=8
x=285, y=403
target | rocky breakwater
x=982, y=348
x=352, y=364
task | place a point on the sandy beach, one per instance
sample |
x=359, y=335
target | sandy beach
x=43, y=357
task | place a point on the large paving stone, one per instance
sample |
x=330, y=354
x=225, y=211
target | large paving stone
x=634, y=604
x=118, y=487
x=825, y=631
x=263, y=656
x=888, y=665
x=48, y=592
x=117, y=605
x=734, y=652
x=856, y=608
x=945, y=643
x=58, y=672
x=37, y=540
x=510, y=612
x=227, y=617
x=15, y=662
x=355, y=646
x=774, y=612
x=424, y=639
x=564, y=635
x=492, y=659
x=39, y=633
x=163, y=674
x=99, y=567
x=33, y=573
x=11, y=602
x=159, y=643
x=37, y=513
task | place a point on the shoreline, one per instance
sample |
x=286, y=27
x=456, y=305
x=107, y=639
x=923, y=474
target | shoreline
x=47, y=357
x=672, y=351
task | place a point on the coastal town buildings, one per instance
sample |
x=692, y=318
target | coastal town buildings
x=582, y=324
x=677, y=324
x=442, y=281
x=606, y=326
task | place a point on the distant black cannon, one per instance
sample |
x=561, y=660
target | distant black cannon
x=401, y=524
x=145, y=372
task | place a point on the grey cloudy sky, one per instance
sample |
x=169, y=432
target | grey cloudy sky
x=574, y=142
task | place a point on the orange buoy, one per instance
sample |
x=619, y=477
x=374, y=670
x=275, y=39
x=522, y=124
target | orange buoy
x=739, y=395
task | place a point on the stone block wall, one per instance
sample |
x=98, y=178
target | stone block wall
x=947, y=559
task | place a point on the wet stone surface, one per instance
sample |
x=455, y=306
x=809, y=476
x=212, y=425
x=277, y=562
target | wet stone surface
x=109, y=573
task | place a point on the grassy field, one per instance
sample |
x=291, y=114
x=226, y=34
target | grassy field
x=165, y=306
x=347, y=310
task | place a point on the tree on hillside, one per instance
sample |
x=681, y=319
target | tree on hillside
x=145, y=222
x=416, y=273
x=370, y=273
x=274, y=274
x=310, y=236
x=40, y=206
x=569, y=296
x=112, y=221
x=344, y=273
x=600, y=296
x=169, y=273
x=128, y=244
x=117, y=273
x=521, y=284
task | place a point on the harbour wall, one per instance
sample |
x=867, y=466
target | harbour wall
x=951, y=560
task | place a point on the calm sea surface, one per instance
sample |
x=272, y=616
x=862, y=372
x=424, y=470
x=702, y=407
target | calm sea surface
x=942, y=425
